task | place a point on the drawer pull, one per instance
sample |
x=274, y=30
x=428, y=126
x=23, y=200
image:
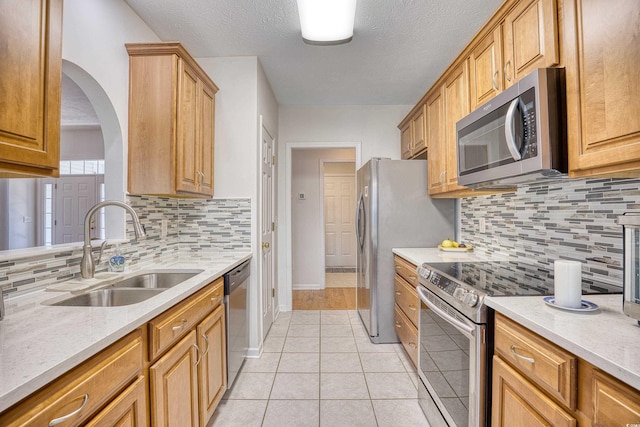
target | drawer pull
x=398, y=293
x=413, y=345
x=216, y=298
x=398, y=325
x=413, y=277
x=412, y=308
x=62, y=419
x=199, y=353
x=177, y=328
x=519, y=356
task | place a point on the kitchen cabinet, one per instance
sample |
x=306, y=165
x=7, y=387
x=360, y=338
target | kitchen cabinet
x=188, y=351
x=485, y=68
x=80, y=393
x=406, y=306
x=171, y=122
x=30, y=86
x=413, y=139
x=530, y=39
x=536, y=382
x=456, y=106
x=128, y=409
x=602, y=58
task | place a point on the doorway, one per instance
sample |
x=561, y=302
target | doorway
x=309, y=235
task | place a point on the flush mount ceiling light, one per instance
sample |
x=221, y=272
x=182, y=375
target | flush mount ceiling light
x=327, y=22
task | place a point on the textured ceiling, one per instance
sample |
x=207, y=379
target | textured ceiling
x=399, y=48
x=76, y=108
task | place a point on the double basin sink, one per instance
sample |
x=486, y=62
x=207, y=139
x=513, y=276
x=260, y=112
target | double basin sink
x=131, y=290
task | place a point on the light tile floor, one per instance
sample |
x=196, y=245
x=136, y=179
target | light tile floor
x=319, y=368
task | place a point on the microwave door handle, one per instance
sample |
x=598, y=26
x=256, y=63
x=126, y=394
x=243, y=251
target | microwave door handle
x=510, y=130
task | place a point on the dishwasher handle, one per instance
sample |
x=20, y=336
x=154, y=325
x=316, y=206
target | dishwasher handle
x=236, y=277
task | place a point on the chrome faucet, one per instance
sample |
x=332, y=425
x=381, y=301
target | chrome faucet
x=87, y=265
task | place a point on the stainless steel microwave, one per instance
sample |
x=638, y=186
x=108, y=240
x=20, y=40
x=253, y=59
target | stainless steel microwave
x=630, y=222
x=517, y=137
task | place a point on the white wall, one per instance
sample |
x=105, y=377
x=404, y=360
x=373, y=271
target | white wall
x=373, y=126
x=80, y=144
x=307, y=219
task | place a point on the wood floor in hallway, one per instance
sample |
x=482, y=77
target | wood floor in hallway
x=325, y=299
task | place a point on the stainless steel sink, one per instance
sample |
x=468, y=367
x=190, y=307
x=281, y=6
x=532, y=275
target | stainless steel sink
x=131, y=290
x=156, y=280
x=110, y=297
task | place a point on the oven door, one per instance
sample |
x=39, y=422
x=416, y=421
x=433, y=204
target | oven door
x=452, y=364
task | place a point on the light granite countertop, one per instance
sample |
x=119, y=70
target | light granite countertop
x=39, y=342
x=606, y=338
x=419, y=255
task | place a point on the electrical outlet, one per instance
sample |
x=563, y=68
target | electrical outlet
x=164, y=224
x=482, y=225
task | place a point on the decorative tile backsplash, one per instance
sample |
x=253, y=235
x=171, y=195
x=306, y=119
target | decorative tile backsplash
x=569, y=219
x=193, y=226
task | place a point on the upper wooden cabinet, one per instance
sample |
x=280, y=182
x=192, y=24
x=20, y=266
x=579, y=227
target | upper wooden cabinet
x=412, y=134
x=602, y=58
x=171, y=122
x=530, y=39
x=30, y=84
x=485, y=68
x=437, y=160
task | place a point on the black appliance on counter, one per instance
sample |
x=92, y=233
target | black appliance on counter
x=456, y=332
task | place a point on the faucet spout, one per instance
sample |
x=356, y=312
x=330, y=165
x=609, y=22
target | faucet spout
x=87, y=265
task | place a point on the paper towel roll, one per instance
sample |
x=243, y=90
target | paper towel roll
x=567, y=283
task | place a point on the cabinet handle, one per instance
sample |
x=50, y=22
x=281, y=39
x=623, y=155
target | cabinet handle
x=64, y=418
x=398, y=325
x=177, y=328
x=200, y=177
x=216, y=298
x=494, y=80
x=413, y=345
x=199, y=354
x=442, y=176
x=206, y=340
x=506, y=67
x=412, y=308
x=519, y=356
x=398, y=293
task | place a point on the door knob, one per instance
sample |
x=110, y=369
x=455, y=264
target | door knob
x=265, y=245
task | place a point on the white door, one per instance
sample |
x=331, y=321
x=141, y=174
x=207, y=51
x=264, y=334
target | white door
x=73, y=196
x=267, y=228
x=339, y=216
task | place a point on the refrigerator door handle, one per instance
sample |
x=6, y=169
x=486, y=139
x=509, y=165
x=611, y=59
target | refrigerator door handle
x=361, y=220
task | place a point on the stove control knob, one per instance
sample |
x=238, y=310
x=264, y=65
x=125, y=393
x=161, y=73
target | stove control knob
x=459, y=293
x=471, y=299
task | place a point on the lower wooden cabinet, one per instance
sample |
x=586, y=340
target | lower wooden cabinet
x=517, y=402
x=537, y=383
x=212, y=369
x=406, y=307
x=174, y=385
x=129, y=409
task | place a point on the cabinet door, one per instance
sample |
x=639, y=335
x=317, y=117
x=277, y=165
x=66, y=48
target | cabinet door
x=456, y=106
x=516, y=402
x=206, y=127
x=615, y=404
x=603, y=87
x=485, y=69
x=405, y=141
x=530, y=38
x=129, y=409
x=174, y=386
x=187, y=129
x=437, y=159
x=212, y=369
x=419, y=142
x=30, y=84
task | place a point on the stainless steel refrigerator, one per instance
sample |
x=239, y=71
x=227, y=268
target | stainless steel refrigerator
x=394, y=211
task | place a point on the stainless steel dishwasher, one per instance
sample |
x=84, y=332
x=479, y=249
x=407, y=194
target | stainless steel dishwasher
x=236, y=284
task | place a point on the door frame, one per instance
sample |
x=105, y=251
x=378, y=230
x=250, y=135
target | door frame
x=322, y=216
x=285, y=286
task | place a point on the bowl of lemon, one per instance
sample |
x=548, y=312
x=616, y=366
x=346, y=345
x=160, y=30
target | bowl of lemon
x=450, y=245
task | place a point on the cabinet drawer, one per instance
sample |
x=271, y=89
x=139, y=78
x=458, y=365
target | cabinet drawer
x=128, y=409
x=407, y=333
x=84, y=390
x=170, y=326
x=407, y=299
x=406, y=270
x=544, y=363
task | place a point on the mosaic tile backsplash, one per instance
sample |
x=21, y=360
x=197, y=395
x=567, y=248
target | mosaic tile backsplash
x=570, y=219
x=193, y=227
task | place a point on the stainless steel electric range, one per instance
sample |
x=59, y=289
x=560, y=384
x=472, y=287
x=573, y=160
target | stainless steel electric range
x=456, y=334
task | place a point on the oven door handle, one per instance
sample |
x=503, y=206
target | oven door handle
x=464, y=329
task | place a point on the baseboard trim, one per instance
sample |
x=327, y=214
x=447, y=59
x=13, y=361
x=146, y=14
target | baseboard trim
x=308, y=287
